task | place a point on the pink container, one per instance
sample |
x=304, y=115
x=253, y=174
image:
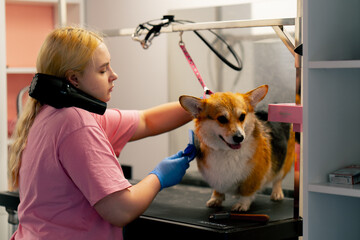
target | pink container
x=288, y=113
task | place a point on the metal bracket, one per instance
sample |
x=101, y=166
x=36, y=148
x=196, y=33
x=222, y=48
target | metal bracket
x=285, y=38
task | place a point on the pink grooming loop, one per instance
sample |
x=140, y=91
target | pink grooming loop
x=207, y=91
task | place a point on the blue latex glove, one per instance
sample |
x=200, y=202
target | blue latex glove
x=171, y=170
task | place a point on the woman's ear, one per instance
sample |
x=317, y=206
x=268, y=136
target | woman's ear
x=71, y=76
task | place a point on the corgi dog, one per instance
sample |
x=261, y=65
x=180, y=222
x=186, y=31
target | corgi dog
x=239, y=151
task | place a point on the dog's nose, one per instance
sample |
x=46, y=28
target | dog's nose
x=238, y=138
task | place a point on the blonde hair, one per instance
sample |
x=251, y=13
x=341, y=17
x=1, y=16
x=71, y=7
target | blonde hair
x=64, y=49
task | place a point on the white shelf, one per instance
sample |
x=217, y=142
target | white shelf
x=330, y=92
x=21, y=70
x=334, y=64
x=336, y=189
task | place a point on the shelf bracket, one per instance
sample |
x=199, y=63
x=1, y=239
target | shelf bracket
x=286, y=38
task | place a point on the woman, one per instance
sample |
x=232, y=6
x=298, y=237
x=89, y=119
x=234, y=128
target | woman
x=63, y=161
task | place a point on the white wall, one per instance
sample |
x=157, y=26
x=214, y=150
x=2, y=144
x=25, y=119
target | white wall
x=142, y=73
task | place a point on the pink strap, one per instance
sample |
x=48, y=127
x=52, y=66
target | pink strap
x=195, y=70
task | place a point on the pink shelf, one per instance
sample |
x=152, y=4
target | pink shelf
x=27, y=25
x=26, y=28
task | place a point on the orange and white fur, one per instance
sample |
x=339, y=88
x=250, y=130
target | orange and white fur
x=239, y=151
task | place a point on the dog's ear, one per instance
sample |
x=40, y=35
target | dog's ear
x=191, y=104
x=257, y=94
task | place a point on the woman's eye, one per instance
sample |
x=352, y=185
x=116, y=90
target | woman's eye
x=242, y=117
x=103, y=70
x=222, y=119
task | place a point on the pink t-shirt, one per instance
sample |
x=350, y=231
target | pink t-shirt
x=68, y=165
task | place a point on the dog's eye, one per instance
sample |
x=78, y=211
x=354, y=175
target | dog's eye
x=242, y=117
x=222, y=119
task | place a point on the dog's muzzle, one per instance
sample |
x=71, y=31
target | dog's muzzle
x=238, y=138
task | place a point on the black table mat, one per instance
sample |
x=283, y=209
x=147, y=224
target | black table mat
x=186, y=204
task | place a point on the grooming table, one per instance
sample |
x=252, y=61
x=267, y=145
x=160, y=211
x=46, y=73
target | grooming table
x=179, y=212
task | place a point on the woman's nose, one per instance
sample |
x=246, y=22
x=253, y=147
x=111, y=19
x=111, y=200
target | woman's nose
x=113, y=76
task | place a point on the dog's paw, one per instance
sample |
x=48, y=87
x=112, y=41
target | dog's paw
x=277, y=195
x=240, y=207
x=243, y=204
x=277, y=192
x=214, y=202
